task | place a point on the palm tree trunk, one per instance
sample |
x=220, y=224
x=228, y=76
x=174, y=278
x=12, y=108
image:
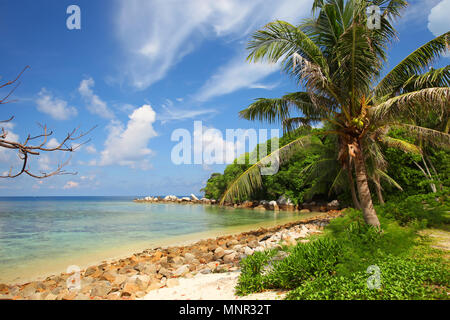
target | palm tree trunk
x=376, y=179
x=356, y=203
x=370, y=216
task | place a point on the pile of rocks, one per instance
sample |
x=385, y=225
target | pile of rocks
x=282, y=203
x=152, y=269
x=174, y=199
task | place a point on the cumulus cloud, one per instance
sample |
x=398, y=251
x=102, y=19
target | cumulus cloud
x=94, y=104
x=215, y=147
x=438, y=22
x=71, y=185
x=57, y=108
x=128, y=146
x=156, y=35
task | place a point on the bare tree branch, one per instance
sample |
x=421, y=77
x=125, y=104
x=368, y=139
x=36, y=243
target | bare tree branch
x=25, y=149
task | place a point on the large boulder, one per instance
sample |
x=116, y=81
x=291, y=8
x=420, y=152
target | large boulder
x=282, y=200
x=193, y=197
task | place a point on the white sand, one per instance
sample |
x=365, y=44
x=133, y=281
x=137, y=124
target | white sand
x=215, y=286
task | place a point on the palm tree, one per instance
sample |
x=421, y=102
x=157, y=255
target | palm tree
x=338, y=60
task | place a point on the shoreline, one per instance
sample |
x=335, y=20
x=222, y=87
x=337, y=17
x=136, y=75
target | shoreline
x=137, y=274
x=110, y=255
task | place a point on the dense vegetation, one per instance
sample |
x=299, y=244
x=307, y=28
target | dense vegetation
x=339, y=62
x=335, y=265
x=312, y=173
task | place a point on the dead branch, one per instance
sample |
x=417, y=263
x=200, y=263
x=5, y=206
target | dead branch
x=25, y=149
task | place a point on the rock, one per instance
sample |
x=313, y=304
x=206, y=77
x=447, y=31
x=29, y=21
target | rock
x=260, y=207
x=219, y=253
x=177, y=260
x=89, y=271
x=129, y=289
x=108, y=276
x=248, y=251
x=205, y=271
x=121, y=278
x=181, y=271
x=28, y=290
x=284, y=201
x=185, y=199
x=164, y=272
x=70, y=295
x=50, y=296
x=101, y=289
x=334, y=203
x=193, y=197
x=172, y=283
x=305, y=211
x=189, y=257
x=229, y=257
x=147, y=268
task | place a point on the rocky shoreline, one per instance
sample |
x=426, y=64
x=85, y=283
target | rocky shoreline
x=134, y=277
x=282, y=204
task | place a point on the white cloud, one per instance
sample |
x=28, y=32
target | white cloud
x=71, y=185
x=438, y=20
x=57, y=108
x=215, y=148
x=172, y=113
x=128, y=146
x=91, y=149
x=95, y=105
x=237, y=74
x=8, y=156
x=44, y=163
x=52, y=143
x=156, y=35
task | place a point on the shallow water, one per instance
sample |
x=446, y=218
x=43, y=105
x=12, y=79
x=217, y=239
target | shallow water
x=41, y=236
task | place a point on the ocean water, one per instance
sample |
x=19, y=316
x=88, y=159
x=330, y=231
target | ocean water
x=40, y=236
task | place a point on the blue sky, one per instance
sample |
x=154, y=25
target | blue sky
x=139, y=70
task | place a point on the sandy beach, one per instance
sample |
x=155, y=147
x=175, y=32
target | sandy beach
x=208, y=268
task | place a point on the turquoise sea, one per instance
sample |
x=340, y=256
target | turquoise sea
x=40, y=236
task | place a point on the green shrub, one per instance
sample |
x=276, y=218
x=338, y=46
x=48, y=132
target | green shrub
x=401, y=278
x=251, y=278
x=424, y=210
x=306, y=261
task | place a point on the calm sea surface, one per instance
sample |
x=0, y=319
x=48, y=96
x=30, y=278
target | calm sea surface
x=44, y=235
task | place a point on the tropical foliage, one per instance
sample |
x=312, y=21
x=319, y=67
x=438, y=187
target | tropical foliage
x=338, y=62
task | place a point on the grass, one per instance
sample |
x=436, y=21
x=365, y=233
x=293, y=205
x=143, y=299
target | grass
x=334, y=265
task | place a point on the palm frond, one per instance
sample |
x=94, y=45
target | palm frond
x=413, y=64
x=435, y=137
x=400, y=144
x=280, y=40
x=436, y=99
x=388, y=179
x=251, y=179
x=433, y=78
